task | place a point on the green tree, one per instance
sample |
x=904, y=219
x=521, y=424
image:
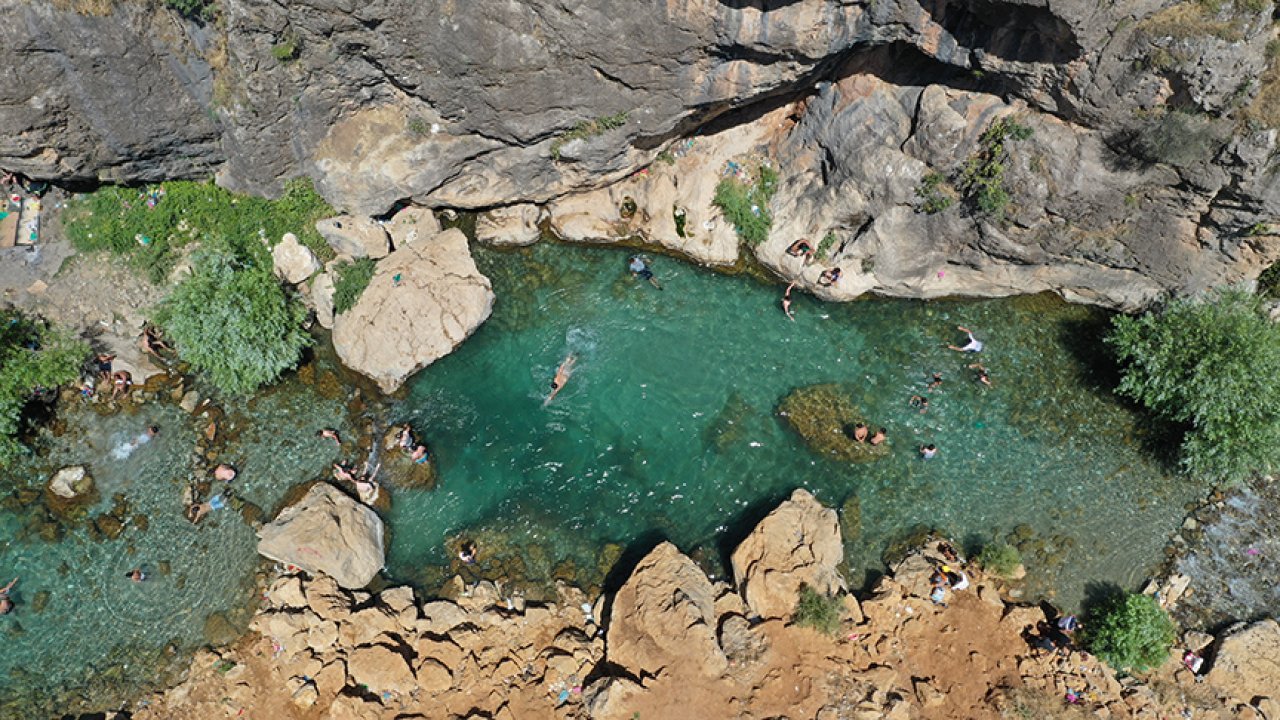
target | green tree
x=1130, y=631
x=232, y=320
x=1210, y=364
x=32, y=355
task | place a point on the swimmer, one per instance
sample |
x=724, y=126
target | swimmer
x=786, y=302
x=420, y=454
x=125, y=449
x=639, y=268
x=801, y=248
x=563, y=373
x=974, y=345
x=331, y=434
x=136, y=575
x=468, y=553
x=919, y=401
x=224, y=472
x=829, y=277
x=6, y=604
x=343, y=474
x=878, y=437
x=928, y=452
x=196, y=512
x=982, y=374
x=936, y=382
x=860, y=432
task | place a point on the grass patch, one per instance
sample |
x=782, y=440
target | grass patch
x=33, y=355
x=1189, y=20
x=818, y=611
x=123, y=221
x=352, y=278
x=1000, y=559
x=935, y=193
x=587, y=129
x=743, y=199
x=981, y=180
x=285, y=50
x=824, y=246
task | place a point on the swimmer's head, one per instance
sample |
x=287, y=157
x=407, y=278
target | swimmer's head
x=554, y=385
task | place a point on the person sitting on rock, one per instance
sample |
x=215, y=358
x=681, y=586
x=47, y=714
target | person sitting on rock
x=860, y=432
x=801, y=248
x=405, y=438
x=420, y=454
x=467, y=554
x=103, y=363
x=121, y=381
x=829, y=277
x=151, y=342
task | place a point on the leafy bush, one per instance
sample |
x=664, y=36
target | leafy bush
x=1269, y=282
x=33, y=355
x=746, y=203
x=232, y=320
x=193, y=9
x=824, y=246
x=935, y=193
x=120, y=220
x=999, y=558
x=1130, y=631
x=1210, y=364
x=818, y=611
x=981, y=180
x=584, y=129
x=352, y=279
x=285, y=50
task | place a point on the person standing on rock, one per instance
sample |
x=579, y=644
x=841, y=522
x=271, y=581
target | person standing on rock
x=563, y=373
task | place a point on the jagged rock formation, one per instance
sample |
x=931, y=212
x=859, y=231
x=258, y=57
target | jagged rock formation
x=1113, y=200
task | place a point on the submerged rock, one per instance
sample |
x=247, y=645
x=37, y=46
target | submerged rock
x=423, y=301
x=824, y=416
x=327, y=532
x=71, y=482
x=796, y=544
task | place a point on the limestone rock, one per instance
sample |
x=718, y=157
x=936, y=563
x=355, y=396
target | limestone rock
x=434, y=677
x=286, y=592
x=292, y=260
x=511, y=225
x=608, y=698
x=322, y=290
x=327, y=532
x=424, y=299
x=71, y=482
x=380, y=668
x=355, y=236
x=410, y=225
x=796, y=544
x=664, y=615
x=1246, y=661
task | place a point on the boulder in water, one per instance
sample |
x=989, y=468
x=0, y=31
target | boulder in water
x=71, y=482
x=327, y=532
x=824, y=417
x=797, y=544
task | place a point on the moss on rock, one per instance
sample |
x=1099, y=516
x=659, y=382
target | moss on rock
x=824, y=417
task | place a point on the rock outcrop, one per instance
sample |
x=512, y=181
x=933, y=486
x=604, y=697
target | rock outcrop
x=293, y=261
x=327, y=532
x=424, y=299
x=355, y=237
x=1246, y=662
x=664, y=618
x=797, y=544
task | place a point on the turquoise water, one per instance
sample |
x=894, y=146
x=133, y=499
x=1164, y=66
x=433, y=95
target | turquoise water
x=667, y=429
x=668, y=426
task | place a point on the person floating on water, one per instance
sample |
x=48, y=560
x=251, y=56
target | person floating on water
x=928, y=452
x=878, y=437
x=6, y=604
x=936, y=382
x=136, y=575
x=982, y=374
x=563, y=373
x=331, y=434
x=801, y=248
x=639, y=268
x=786, y=302
x=974, y=345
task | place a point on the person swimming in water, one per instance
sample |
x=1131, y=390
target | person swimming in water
x=639, y=268
x=224, y=472
x=786, y=302
x=563, y=373
x=860, y=432
x=331, y=434
x=921, y=402
x=878, y=437
x=936, y=382
x=6, y=604
x=982, y=374
x=974, y=345
x=136, y=575
x=928, y=451
x=125, y=449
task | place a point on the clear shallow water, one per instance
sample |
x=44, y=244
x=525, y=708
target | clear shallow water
x=668, y=426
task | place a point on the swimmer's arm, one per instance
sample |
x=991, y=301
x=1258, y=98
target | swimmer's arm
x=8, y=587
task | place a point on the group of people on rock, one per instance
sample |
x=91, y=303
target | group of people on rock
x=947, y=576
x=802, y=248
x=121, y=381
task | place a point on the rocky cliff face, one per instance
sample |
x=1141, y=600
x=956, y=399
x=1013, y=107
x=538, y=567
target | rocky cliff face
x=1114, y=200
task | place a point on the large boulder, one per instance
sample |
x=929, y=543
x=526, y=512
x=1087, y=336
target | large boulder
x=327, y=532
x=71, y=482
x=424, y=299
x=292, y=260
x=664, y=616
x=511, y=225
x=797, y=544
x=355, y=236
x=1246, y=664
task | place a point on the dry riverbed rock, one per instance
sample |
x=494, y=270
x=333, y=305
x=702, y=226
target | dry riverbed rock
x=797, y=544
x=423, y=301
x=327, y=532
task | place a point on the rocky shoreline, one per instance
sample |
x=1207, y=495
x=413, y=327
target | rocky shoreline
x=672, y=643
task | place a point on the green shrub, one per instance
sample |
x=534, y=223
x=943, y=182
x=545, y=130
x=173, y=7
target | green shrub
x=232, y=320
x=824, y=246
x=818, y=611
x=193, y=9
x=584, y=129
x=1269, y=282
x=32, y=355
x=119, y=219
x=285, y=50
x=1211, y=365
x=935, y=193
x=352, y=279
x=1000, y=559
x=746, y=204
x=1130, y=632
x=981, y=180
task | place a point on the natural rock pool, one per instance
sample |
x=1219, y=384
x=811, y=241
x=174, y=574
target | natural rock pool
x=668, y=428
